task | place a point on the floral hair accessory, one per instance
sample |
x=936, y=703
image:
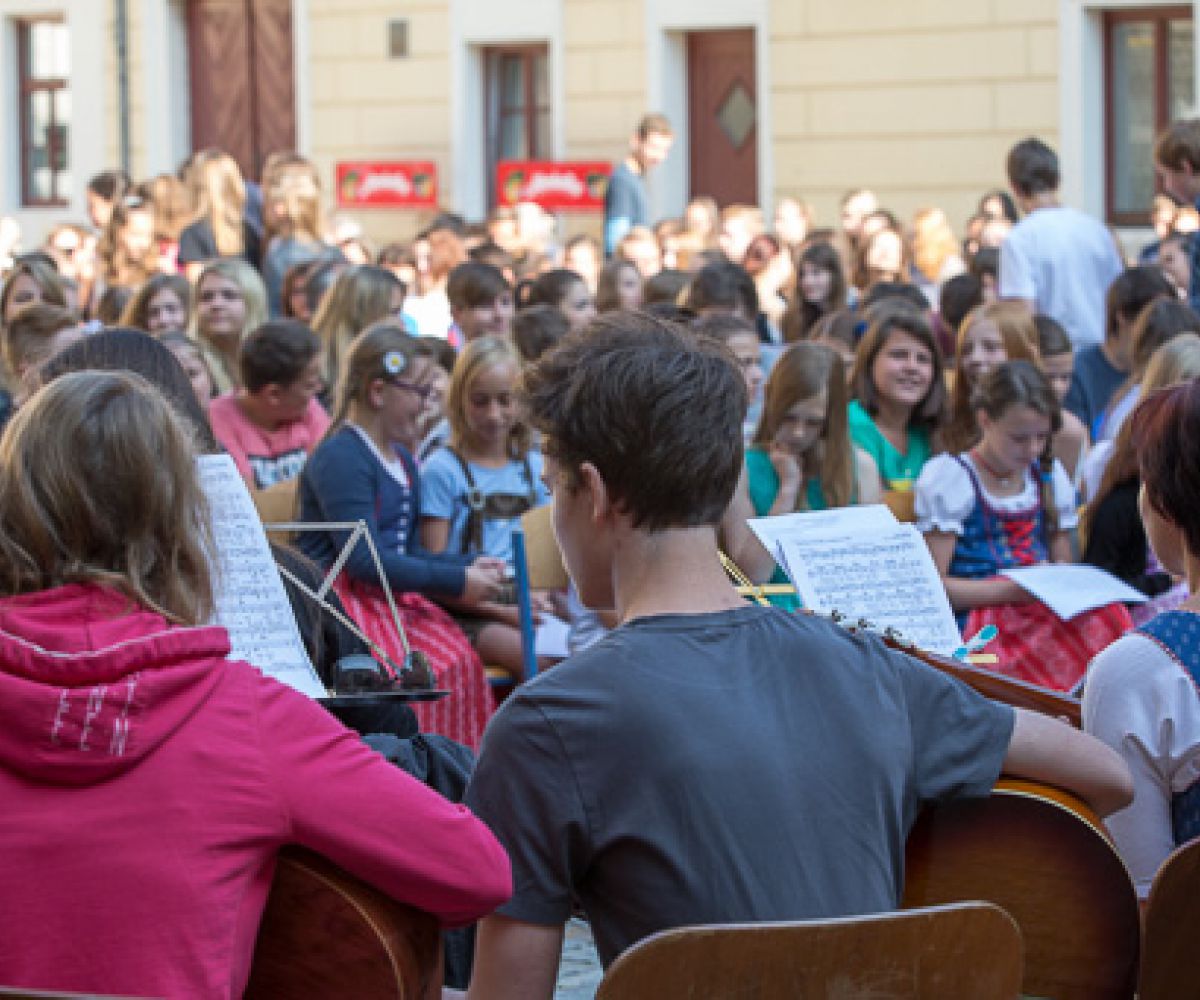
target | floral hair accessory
x=393, y=362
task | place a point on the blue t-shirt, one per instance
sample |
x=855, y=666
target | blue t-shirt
x=625, y=205
x=444, y=494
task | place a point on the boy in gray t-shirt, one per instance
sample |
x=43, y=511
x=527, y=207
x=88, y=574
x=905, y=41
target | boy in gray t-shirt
x=708, y=761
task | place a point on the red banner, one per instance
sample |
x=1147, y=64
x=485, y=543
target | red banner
x=387, y=184
x=577, y=186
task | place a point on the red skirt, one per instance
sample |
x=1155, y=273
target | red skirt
x=1037, y=646
x=461, y=715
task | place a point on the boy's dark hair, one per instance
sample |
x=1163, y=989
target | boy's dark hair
x=473, y=284
x=1178, y=144
x=549, y=288
x=490, y=252
x=1130, y=292
x=1032, y=168
x=653, y=123
x=109, y=184
x=908, y=293
x=657, y=410
x=665, y=286
x=722, y=326
x=1053, y=339
x=959, y=296
x=723, y=286
x=440, y=350
x=538, y=328
x=277, y=353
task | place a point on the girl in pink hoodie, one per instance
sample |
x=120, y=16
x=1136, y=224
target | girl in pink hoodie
x=148, y=782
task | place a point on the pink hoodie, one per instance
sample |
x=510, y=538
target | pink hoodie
x=146, y=784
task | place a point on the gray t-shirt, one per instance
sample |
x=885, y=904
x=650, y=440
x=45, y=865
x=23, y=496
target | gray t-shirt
x=734, y=766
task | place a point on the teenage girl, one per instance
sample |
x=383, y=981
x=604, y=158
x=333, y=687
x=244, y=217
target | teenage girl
x=899, y=395
x=220, y=228
x=820, y=290
x=128, y=250
x=563, y=289
x=230, y=302
x=619, y=286
x=475, y=489
x=160, y=306
x=195, y=367
x=1007, y=503
x=1058, y=363
x=364, y=471
x=361, y=295
x=292, y=219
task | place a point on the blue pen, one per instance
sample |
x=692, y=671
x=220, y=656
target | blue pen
x=977, y=642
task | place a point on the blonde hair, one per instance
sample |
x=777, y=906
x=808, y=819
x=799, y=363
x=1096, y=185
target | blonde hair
x=362, y=295
x=367, y=360
x=933, y=242
x=477, y=357
x=220, y=198
x=1018, y=333
x=291, y=199
x=254, y=293
x=803, y=371
x=98, y=485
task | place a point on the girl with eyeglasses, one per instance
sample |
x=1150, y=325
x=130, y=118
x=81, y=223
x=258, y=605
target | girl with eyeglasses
x=364, y=470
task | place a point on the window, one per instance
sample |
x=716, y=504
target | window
x=517, y=103
x=43, y=64
x=1148, y=62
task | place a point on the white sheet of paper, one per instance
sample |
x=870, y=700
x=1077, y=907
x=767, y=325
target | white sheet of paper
x=1068, y=589
x=886, y=577
x=251, y=602
x=551, y=637
x=848, y=521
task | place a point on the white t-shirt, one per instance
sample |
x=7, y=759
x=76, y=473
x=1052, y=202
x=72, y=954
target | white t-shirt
x=944, y=495
x=1142, y=703
x=1091, y=470
x=1064, y=261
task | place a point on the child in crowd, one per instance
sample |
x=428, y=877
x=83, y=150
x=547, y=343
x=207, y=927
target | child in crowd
x=536, y=329
x=481, y=303
x=32, y=279
x=221, y=228
x=899, y=395
x=360, y=295
x=127, y=250
x=959, y=297
x=742, y=340
x=191, y=359
x=37, y=333
x=230, y=300
x=293, y=222
x=364, y=470
x=820, y=289
x=1101, y=369
x=563, y=289
x=159, y=306
x=618, y=287
x=840, y=331
x=475, y=489
x=1175, y=260
x=1007, y=503
x=1115, y=538
x=273, y=422
x=1071, y=444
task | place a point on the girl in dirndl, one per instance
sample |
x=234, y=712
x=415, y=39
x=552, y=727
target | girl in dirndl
x=364, y=471
x=1007, y=503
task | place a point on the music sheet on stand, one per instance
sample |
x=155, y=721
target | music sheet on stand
x=251, y=602
x=886, y=577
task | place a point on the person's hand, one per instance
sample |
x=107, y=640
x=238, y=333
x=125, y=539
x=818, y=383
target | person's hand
x=786, y=467
x=485, y=577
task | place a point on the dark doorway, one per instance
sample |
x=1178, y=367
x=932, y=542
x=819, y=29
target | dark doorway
x=723, y=115
x=243, y=97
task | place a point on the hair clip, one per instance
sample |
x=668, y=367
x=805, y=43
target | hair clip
x=860, y=329
x=393, y=362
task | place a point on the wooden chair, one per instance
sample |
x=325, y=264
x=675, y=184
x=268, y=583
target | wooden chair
x=277, y=505
x=326, y=934
x=1170, y=926
x=546, y=569
x=1044, y=857
x=964, y=950
x=902, y=505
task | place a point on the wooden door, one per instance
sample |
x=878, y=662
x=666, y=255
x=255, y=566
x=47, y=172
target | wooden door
x=723, y=115
x=242, y=82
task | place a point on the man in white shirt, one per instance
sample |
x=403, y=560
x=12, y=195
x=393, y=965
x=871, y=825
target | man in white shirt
x=1057, y=259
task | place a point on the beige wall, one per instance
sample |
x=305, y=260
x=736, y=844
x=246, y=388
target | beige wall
x=918, y=100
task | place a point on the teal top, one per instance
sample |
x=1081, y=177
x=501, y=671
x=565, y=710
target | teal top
x=897, y=471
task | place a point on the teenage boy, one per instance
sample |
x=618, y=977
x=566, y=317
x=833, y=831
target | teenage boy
x=481, y=303
x=709, y=760
x=1056, y=259
x=1177, y=161
x=626, y=203
x=272, y=424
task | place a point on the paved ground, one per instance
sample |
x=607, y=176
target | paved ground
x=579, y=972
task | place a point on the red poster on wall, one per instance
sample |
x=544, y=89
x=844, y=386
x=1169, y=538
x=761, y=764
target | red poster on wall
x=556, y=186
x=387, y=184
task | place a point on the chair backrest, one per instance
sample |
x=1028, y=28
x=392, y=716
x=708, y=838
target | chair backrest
x=326, y=934
x=968, y=949
x=1170, y=927
x=1044, y=857
x=546, y=570
x=902, y=504
x=277, y=505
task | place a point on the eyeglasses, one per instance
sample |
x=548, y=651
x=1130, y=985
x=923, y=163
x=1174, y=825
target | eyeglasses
x=422, y=391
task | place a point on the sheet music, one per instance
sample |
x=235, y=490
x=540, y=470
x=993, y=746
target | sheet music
x=886, y=577
x=551, y=637
x=849, y=521
x=251, y=602
x=1070, y=589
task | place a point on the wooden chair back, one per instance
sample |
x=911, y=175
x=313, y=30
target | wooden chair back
x=546, y=569
x=1044, y=857
x=967, y=949
x=1170, y=927
x=277, y=505
x=902, y=504
x=326, y=934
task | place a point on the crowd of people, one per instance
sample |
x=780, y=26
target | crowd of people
x=1020, y=390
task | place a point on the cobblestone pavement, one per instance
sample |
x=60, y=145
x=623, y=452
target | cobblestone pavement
x=579, y=971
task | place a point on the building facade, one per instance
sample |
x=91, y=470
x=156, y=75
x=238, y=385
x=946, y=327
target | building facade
x=919, y=101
